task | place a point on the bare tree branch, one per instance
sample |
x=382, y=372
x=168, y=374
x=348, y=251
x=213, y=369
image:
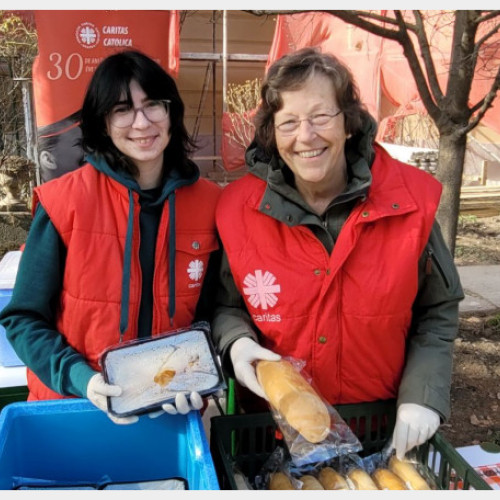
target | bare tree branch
x=427, y=56
x=480, y=43
x=461, y=73
x=416, y=69
x=484, y=104
x=261, y=13
x=355, y=17
x=486, y=36
x=491, y=15
x=380, y=18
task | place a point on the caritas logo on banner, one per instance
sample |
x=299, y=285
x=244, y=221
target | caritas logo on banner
x=88, y=36
x=71, y=44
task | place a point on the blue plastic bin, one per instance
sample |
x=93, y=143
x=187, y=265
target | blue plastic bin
x=72, y=443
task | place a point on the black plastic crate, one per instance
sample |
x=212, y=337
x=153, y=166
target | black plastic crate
x=247, y=441
x=12, y=395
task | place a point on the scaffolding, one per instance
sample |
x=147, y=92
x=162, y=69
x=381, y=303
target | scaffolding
x=213, y=59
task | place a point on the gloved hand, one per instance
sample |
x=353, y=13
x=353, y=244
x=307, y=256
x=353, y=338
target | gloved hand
x=97, y=392
x=182, y=405
x=243, y=353
x=415, y=424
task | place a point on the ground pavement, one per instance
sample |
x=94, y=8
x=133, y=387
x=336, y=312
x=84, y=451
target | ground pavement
x=481, y=285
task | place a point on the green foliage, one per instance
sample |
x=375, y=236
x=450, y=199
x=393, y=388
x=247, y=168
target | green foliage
x=494, y=322
x=466, y=220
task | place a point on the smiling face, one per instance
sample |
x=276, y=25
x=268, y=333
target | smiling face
x=315, y=156
x=143, y=142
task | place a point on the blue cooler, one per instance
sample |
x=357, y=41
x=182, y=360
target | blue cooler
x=8, y=356
x=8, y=272
x=71, y=444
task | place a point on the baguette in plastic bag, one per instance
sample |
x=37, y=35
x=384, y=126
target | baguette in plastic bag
x=312, y=429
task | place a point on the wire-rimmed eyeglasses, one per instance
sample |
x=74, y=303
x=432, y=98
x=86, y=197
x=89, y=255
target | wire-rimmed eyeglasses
x=155, y=110
x=319, y=121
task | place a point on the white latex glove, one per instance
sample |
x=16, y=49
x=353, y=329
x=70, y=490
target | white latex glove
x=182, y=405
x=97, y=393
x=415, y=424
x=243, y=353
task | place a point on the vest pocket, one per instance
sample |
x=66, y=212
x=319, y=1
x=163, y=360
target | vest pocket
x=192, y=255
x=196, y=243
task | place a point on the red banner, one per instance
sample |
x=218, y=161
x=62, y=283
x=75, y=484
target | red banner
x=70, y=46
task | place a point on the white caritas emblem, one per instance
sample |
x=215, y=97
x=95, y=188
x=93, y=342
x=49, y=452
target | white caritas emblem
x=195, y=270
x=261, y=289
x=87, y=35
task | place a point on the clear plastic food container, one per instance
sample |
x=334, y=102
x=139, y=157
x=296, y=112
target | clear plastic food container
x=152, y=371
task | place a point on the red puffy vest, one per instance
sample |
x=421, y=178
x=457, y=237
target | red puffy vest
x=90, y=211
x=346, y=314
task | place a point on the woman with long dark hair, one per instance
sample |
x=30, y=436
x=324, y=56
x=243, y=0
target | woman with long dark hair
x=107, y=256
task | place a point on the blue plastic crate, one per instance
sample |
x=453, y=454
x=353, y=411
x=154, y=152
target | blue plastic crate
x=71, y=443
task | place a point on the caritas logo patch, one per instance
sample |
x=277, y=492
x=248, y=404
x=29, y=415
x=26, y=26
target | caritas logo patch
x=261, y=289
x=195, y=272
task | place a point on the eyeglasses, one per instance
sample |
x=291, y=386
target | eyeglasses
x=320, y=121
x=155, y=110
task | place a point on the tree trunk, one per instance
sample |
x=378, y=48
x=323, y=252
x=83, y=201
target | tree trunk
x=449, y=173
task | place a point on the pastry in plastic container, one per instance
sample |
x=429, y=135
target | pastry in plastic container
x=152, y=371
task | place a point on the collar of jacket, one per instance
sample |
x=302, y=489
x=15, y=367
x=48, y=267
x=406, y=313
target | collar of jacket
x=388, y=195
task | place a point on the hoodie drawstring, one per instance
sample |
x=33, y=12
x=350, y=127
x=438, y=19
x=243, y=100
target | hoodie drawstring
x=127, y=260
x=171, y=258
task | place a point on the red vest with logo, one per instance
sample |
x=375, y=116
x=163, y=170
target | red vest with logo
x=347, y=314
x=90, y=211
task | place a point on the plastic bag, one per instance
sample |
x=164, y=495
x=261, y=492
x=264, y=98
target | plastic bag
x=339, y=438
x=277, y=463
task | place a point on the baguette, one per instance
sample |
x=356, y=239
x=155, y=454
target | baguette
x=387, y=480
x=332, y=480
x=280, y=481
x=310, y=483
x=294, y=398
x=361, y=480
x=408, y=473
